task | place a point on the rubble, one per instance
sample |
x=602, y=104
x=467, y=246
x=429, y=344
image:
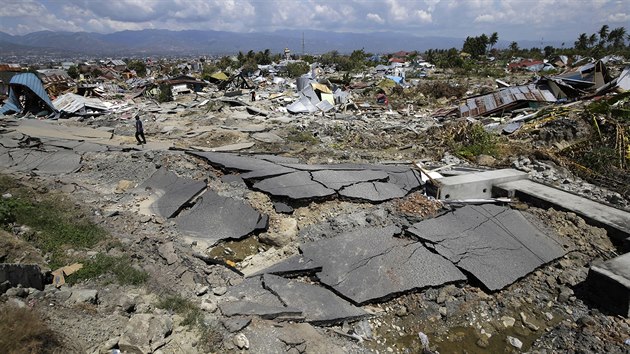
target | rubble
x=315, y=218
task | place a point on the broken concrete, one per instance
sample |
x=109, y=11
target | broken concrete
x=251, y=298
x=495, y=244
x=145, y=333
x=615, y=221
x=319, y=306
x=373, y=191
x=214, y=218
x=371, y=264
x=473, y=185
x=609, y=284
x=170, y=192
x=295, y=185
x=292, y=266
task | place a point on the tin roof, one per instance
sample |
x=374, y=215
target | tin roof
x=503, y=99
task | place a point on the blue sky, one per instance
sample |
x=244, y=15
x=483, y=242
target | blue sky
x=561, y=20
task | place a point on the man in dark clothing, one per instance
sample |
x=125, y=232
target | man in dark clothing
x=140, y=131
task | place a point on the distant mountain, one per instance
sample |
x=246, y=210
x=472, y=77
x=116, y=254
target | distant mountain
x=193, y=42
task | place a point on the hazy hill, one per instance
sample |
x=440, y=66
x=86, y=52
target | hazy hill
x=165, y=42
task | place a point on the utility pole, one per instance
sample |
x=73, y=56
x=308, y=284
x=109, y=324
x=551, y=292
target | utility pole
x=303, y=53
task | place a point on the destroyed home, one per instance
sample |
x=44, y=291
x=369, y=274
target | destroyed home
x=348, y=203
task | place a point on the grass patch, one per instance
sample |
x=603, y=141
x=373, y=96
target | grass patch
x=189, y=310
x=476, y=141
x=57, y=223
x=302, y=137
x=210, y=336
x=118, y=269
x=23, y=331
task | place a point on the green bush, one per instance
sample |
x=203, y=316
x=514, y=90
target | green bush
x=118, y=269
x=476, y=141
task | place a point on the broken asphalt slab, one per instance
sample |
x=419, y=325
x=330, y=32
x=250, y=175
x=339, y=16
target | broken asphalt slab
x=169, y=192
x=495, y=244
x=292, y=266
x=214, y=218
x=370, y=264
x=284, y=178
x=320, y=306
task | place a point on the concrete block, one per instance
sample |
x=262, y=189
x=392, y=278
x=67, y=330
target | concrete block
x=609, y=285
x=473, y=185
x=28, y=275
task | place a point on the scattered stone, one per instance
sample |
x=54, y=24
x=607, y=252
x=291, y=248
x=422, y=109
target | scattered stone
x=236, y=324
x=219, y=290
x=123, y=186
x=143, y=332
x=515, y=342
x=282, y=208
x=507, y=321
x=87, y=296
x=167, y=251
x=241, y=341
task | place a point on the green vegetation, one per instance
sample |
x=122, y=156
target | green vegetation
x=298, y=136
x=119, y=269
x=475, y=141
x=56, y=222
x=189, y=310
x=165, y=94
x=23, y=331
x=297, y=69
x=210, y=337
x=138, y=66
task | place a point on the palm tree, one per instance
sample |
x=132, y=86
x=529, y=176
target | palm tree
x=582, y=42
x=494, y=38
x=603, y=35
x=592, y=39
x=617, y=37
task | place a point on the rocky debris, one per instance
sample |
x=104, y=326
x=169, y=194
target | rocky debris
x=145, y=333
x=214, y=218
x=80, y=296
x=495, y=244
x=369, y=264
x=168, y=192
x=251, y=298
x=167, y=251
x=236, y=324
x=319, y=305
x=289, y=337
x=373, y=191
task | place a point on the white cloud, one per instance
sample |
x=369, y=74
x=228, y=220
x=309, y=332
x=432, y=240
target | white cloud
x=619, y=17
x=375, y=18
x=423, y=16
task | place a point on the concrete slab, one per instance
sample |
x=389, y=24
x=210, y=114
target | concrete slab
x=44, y=162
x=214, y=218
x=51, y=129
x=251, y=298
x=319, y=305
x=495, y=244
x=267, y=137
x=609, y=285
x=373, y=191
x=270, y=338
x=225, y=148
x=169, y=192
x=370, y=264
x=234, y=161
x=615, y=221
x=408, y=181
x=473, y=185
x=293, y=266
x=336, y=180
x=295, y=185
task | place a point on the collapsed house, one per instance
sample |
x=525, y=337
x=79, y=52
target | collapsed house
x=27, y=95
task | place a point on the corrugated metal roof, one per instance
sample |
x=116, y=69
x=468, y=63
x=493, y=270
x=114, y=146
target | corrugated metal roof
x=503, y=99
x=33, y=83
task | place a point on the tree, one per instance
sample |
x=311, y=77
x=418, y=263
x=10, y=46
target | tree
x=549, y=50
x=138, y=66
x=617, y=37
x=514, y=47
x=73, y=72
x=297, y=69
x=494, y=38
x=582, y=42
x=476, y=46
x=603, y=35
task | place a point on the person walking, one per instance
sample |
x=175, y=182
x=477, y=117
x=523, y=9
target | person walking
x=140, y=131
